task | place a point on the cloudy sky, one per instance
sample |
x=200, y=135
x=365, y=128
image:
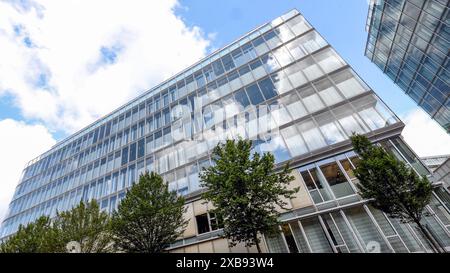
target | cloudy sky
x=65, y=63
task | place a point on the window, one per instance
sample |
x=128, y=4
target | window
x=258, y=69
x=317, y=189
x=298, y=25
x=313, y=138
x=260, y=46
x=132, y=152
x=316, y=236
x=336, y=179
x=141, y=148
x=283, y=56
x=218, y=68
x=202, y=223
x=365, y=229
x=131, y=175
x=246, y=76
x=311, y=100
x=294, y=105
x=281, y=82
x=327, y=92
x=310, y=68
x=295, y=75
x=267, y=88
x=294, y=141
x=349, y=120
x=330, y=128
x=124, y=156
x=254, y=94
x=208, y=222
x=238, y=57
x=241, y=97
x=234, y=80
x=272, y=39
x=269, y=62
x=289, y=238
x=228, y=62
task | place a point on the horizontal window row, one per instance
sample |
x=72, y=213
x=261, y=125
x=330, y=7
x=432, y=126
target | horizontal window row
x=239, y=55
x=299, y=73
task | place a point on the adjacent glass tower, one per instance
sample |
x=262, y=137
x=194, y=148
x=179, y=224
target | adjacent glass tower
x=281, y=85
x=409, y=40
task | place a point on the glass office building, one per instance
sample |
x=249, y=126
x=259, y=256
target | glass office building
x=281, y=85
x=409, y=40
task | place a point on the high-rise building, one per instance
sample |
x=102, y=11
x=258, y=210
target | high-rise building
x=409, y=40
x=281, y=85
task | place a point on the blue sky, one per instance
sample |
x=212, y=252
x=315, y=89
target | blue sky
x=342, y=23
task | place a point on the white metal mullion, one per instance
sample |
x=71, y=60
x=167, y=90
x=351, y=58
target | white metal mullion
x=378, y=227
x=353, y=231
x=397, y=234
x=330, y=241
x=293, y=235
x=284, y=239
x=304, y=236
x=338, y=230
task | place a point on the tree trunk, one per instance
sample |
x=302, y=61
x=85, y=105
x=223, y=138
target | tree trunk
x=428, y=236
x=255, y=239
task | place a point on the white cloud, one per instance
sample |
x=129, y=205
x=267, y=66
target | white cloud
x=52, y=62
x=424, y=135
x=53, y=67
x=19, y=143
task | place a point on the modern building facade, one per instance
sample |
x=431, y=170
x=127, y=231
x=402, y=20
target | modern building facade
x=441, y=172
x=433, y=162
x=281, y=85
x=409, y=40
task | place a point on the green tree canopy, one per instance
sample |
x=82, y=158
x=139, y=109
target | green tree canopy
x=84, y=224
x=87, y=225
x=246, y=191
x=36, y=237
x=390, y=184
x=149, y=218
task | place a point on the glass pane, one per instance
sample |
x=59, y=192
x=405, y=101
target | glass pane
x=346, y=233
x=294, y=141
x=311, y=100
x=299, y=238
x=276, y=244
x=311, y=135
x=321, y=184
x=316, y=236
x=336, y=179
x=347, y=168
x=289, y=238
x=254, y=94
x=332, y=230
x=366, y=231
x=407, y=236
x=347, y=83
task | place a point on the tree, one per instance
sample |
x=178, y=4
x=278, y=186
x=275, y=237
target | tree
x=392, y=187
x=35, y=237
x=87, y=225
x=245, y=191
x=149, y=218
x=84, y=224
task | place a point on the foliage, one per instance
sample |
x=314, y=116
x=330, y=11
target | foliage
x=391, y=185
x=87, y=225
x=149, y=218
x=245, y=191
x=35, y=237
x=84, y=224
